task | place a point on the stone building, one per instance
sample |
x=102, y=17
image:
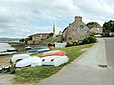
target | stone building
x=95, y=27
x=36, y=38
x=76, y=31
x=96, y=30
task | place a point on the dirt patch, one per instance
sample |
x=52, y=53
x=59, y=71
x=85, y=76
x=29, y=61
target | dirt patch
x=84, y=50
x=6, y=79
x=5, y=60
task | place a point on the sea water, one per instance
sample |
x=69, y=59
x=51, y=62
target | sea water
x=5, y=47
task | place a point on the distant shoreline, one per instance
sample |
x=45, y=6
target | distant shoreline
x=9, y=41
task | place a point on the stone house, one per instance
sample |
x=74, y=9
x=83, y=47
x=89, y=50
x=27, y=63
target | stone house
x=96, y=30
x=95, y=27
x=36, y=38
x=76, y=31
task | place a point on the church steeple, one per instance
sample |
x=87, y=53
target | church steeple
x=54, y=29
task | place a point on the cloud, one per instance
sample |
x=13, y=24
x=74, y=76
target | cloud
x=20, y=18
x=97, y=9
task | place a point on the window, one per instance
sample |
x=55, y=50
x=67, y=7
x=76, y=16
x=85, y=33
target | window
x=81, y=26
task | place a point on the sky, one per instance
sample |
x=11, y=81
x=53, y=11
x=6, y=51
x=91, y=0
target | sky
x=21, y=18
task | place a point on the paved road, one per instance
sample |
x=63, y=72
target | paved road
x=110, y=50
x=85, y=70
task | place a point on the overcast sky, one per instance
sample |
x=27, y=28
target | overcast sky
x=20, y=18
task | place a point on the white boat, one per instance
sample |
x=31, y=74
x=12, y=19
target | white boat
x=6, y=53
x=11, y=50
x=26, y=62
x=28, y=48
x=54, y=60
x=0, y=68
x=37, y=62
x=16, y=57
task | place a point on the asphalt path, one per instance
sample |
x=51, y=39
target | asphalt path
x=110, y=51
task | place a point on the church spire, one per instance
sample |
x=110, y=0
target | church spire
x=54, y=29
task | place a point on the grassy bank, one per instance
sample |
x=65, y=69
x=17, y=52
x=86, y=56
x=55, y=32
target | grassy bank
x=38, y=73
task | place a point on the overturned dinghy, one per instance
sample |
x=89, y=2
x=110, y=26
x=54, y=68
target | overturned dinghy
x=43, y=50
x=12, y=50
x=54, y=53
x=17, y=57
x=33, y=50
x=28, y=48
x=54, y=60
x=26, y=62
x=37, y=62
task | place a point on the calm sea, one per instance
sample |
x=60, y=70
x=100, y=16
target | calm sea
x=5, y=46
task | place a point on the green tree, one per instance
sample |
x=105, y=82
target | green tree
x=22, y=40
x=108, y=26
x=26, y=40
x=51, y=35
x=93, y=25
x=30, y=37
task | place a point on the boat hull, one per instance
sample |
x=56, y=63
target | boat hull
x=54, y=53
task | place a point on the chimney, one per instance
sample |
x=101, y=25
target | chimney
x=78, y=18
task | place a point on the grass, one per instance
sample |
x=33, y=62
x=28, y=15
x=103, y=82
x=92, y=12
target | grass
x=41, y=72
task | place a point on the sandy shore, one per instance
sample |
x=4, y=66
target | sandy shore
x=5, y=60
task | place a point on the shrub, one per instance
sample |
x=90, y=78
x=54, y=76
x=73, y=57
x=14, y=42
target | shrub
x=89, y=39
x=105, y=34
x=51, y=44
x=12, y=70
x=71, y=44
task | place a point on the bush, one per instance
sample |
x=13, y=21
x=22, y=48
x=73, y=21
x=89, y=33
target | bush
x=51, y=44
x=89, y=39
x=12, y=70
x=71, y=44
x=105, y=34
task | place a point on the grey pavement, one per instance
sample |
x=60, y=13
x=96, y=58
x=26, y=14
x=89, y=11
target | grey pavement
x=85, y=70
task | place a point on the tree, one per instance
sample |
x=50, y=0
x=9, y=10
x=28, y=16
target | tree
x=30, y=37
x=26, y=40
x=51, y=35
x=108, y=26
x=93, y=25
x=22, y=40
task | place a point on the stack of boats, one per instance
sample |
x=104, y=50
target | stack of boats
x=5, y=69
x=50, y=58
